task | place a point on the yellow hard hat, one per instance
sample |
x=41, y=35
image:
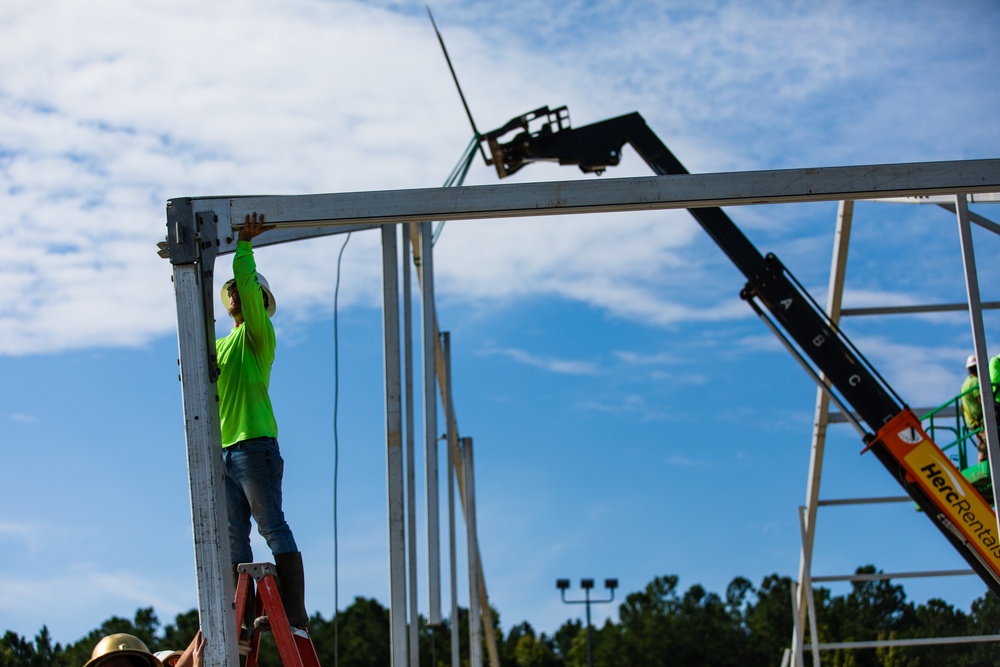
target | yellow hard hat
x=121, y=644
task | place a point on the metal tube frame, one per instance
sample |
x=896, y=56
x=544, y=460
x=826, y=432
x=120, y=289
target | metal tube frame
x=411, y=495
x=690, y=191
x=305, y=216
x=979, y=340
x=394, y=447
x=834, y=299
x=429, y=338
x=472, y=548
x=452, y=482
x=805, y=589
x=205, y=474
x=804, y=600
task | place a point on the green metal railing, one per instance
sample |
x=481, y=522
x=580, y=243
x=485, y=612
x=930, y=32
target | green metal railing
x=959, y=432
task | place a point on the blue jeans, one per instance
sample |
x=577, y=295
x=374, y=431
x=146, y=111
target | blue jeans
x=253, y=470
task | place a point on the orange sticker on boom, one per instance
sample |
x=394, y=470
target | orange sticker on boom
x=947, y=488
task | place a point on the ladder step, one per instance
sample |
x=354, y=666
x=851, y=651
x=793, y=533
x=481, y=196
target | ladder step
x=294, y=644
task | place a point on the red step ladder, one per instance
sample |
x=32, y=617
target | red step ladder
x=294, y=645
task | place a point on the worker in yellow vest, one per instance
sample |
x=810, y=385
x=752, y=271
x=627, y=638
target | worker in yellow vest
x=972, y=407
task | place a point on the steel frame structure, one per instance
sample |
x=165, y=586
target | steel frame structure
x=803, y=603
x=201, y=228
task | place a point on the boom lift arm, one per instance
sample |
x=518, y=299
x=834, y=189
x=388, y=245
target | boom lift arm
x=895, y=437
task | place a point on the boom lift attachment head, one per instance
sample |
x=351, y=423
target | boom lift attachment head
x=590, y=148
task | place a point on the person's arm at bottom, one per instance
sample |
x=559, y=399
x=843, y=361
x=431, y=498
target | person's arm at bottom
x=194, y=653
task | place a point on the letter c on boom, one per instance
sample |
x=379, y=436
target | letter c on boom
x=854, y=380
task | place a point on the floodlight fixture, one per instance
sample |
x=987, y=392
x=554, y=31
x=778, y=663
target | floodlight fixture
x=587, y=585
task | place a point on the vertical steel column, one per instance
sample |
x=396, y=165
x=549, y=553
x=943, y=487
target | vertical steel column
x=472, y=545
x=806, y=585
x=205, y=475
x=834, y=298
x=452, y=479
x=797, y=658
x=429, y=322
x=979, y=340
x=411, y=509
x=394, y=446
x=192, y=239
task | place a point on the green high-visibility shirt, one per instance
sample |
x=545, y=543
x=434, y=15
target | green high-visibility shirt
x=245, y=357
x=972, y=408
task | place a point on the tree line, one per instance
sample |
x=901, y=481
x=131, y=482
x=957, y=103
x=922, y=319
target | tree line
x=659, y=626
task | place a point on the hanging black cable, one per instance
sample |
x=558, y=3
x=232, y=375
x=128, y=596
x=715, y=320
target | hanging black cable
x=336, y=455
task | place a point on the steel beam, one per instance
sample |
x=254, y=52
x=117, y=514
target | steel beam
x=917, y=310
x=205, y=475
x=191, y=240
x=452, y=482
x=979, y=340
x=472, y=548
x=834, y=299
x=394, y=447
x=411, y=475
x=622, y=194
x=430, y=345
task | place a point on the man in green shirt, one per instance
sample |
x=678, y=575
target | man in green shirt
x=253, y=463
x=972, y=407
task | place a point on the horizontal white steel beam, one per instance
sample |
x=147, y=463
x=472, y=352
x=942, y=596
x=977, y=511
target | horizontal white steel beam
x=890, y=643
x=981, y=198
x=623, y=194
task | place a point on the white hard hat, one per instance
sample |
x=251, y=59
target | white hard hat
x=971, y=361
x=272, y=305
x=168, y=658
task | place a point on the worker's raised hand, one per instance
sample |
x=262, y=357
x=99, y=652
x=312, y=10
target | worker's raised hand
x=199, y=650
x=253, y=226
x=194, y=654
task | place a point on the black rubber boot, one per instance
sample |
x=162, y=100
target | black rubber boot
x=292, y=585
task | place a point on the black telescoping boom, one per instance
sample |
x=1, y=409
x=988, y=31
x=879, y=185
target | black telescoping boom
x=896, y=437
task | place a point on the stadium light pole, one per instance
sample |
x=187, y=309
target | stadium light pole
x=587, y=585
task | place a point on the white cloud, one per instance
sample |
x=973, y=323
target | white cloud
x=551, y=364
x=633, y=405
x=924, y=376
x=110, y=591
x=29, y=534
x=124, y=105
x=648, y=359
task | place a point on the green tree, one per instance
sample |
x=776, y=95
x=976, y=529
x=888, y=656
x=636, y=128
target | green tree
x=562, y=640
x=177, y=635
x=984, y=619
x=362, y=635
x=16, y=651
x=144, y=626
x=645, y=635
x=769, y=621
x=658, y=626
x=524, y=649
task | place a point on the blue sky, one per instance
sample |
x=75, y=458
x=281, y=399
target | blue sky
x=631, y=417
